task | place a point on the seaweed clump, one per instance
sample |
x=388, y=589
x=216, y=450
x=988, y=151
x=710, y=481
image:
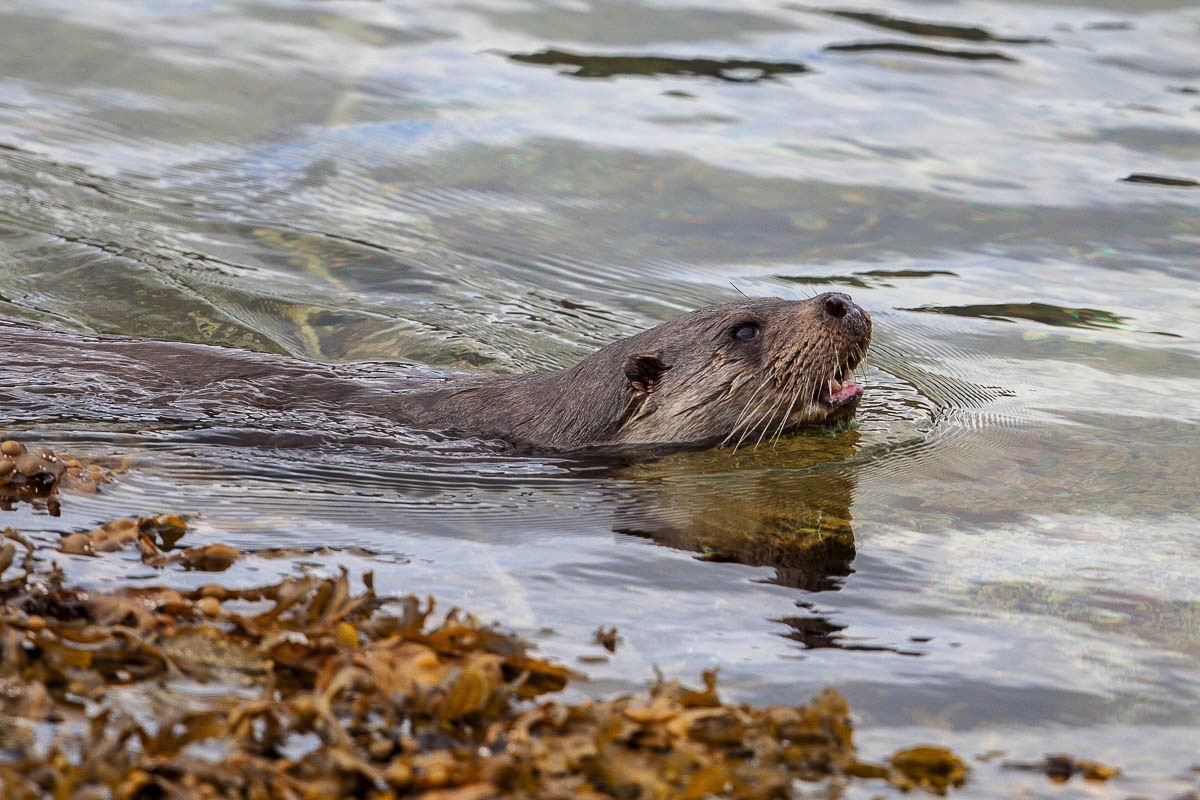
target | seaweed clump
x=1061, y=767
x=307, y=688
x=35, y=476
x=313, y=690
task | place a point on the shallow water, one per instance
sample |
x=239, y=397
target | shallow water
x=508, y=185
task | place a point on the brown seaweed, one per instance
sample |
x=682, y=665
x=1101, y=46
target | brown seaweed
x=35, y=476
x=316, y=690
x=1061, y=767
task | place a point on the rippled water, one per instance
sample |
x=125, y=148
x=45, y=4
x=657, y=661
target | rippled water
x=1003, y=553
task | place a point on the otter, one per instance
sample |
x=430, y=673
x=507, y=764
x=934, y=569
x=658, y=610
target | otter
x=726, y=374
x=722, y=375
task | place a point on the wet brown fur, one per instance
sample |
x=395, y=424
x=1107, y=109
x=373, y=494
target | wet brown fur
x=690, y=382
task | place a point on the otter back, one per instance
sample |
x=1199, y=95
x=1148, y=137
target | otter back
x=745, y=371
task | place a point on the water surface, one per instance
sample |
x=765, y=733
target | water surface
x=1009, y=556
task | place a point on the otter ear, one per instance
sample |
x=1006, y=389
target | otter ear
x=644, y=371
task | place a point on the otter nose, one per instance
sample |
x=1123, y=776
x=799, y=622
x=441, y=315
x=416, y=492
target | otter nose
x=836, y=304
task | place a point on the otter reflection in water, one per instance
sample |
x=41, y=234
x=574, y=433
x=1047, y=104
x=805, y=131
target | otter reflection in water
x=786, y=507
x=726, y=374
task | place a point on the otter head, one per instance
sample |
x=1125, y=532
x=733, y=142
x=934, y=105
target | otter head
x=745, y=371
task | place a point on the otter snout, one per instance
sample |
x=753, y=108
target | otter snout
x=837, y=305
x=837, y=308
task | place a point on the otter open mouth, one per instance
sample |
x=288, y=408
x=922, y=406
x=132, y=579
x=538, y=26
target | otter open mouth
x=840, y=389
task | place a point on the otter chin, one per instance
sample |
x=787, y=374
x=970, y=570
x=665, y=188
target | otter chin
x=730, y=374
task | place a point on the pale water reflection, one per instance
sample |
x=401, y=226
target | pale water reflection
x=1002, y=554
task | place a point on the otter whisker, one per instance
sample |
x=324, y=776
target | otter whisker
x=787, y=414
x=745, y=409
x=745, y=412
x=766, y=428
x=750, y=424
x=763, y=423
x=750, y=428
x=810, y=388
x=783, y=382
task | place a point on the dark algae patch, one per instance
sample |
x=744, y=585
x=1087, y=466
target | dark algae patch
x=868, y=278
x=816, y=632
x=731, y=70
x=933, y=30
x=968, y=33
x=1044, y=313
x=1161, y=180
x=920, y=50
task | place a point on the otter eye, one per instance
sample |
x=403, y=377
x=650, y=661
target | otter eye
x=746, y=332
